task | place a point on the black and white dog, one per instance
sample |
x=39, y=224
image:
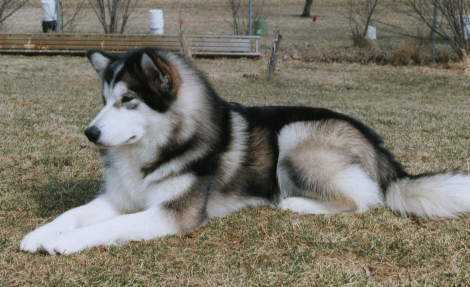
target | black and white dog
x=176, y=154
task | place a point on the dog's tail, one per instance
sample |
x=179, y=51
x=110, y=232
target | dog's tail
x=431, y=196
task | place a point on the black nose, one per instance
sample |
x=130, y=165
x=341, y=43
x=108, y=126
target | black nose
x=93, y=133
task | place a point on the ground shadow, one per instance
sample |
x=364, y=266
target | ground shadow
x=58, y=196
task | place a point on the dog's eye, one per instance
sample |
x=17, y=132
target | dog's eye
x=126, y=99
x=132, y=106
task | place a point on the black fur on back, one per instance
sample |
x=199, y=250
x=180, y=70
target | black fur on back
x=271, y=119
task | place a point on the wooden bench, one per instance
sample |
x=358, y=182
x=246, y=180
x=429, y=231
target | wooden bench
x=78, y=44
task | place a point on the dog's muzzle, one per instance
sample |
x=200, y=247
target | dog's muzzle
x=93, y=133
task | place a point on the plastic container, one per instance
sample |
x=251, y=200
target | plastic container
x=261, y=27
x=156, y=22
x=371, y=33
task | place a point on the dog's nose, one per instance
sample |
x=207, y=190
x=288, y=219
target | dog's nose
x=93, y=133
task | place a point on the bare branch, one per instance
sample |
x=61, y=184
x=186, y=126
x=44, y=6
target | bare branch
x=70, y=15
x=451, y=26
x=10, y=7
x=113, y=15
x=360, y=13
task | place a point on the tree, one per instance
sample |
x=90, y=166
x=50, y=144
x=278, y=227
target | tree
x=70, y=15
x=238, y=17
x=360, y=17
x=113, y=14
x=307, y=8
x=447, y=19
x=9, y=7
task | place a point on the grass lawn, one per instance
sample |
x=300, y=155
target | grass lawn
x=47, y=166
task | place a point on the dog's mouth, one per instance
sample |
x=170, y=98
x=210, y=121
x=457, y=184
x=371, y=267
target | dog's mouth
x=107, y=146
x=101, y=146
x=130, y=140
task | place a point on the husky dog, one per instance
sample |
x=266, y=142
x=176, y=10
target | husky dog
x=176, y=154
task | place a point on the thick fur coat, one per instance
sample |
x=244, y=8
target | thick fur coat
x=176, y=154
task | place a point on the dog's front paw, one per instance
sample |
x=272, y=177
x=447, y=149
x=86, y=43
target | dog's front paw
x=67, y=243
x=34, y=241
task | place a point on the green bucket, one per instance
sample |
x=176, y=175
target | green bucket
x=261, y=27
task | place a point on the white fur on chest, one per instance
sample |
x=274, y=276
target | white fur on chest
x=128, y=190
x=123, y=183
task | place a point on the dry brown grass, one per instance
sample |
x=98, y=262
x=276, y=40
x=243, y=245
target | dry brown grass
x=48, y=166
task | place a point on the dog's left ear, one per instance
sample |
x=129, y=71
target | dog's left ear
x=99, y=60
x=160, y=72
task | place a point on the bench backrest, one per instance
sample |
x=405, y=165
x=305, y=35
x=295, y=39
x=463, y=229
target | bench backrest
x=201, y=45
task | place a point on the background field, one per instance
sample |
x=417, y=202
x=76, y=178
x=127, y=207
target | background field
x=47, y=166
x=328, y=39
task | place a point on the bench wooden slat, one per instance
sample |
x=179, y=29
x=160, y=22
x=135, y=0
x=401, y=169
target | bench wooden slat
x=124, y=36
x=18, y=42
x=120, y=48
x=200, y=44
x=149, y=39
x=60, y=46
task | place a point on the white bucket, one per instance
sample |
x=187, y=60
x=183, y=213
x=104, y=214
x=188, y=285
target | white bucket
x=156, y=21
x=48, y=10
x=371, y=33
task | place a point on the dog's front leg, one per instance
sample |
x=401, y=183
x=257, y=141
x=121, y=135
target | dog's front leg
x=95, y=211
x=151, y=223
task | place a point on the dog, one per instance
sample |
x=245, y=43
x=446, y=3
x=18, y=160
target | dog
x=176, y=154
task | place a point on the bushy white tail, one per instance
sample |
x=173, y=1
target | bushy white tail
x=435, y=196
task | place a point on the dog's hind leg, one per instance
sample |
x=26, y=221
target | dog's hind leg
x=319, y=177
x=349, y=190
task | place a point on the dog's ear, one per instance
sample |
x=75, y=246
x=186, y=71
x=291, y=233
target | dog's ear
x=99, y=60
x=158, y=71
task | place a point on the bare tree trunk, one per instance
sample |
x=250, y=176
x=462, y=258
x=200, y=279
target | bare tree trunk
x=307, y=8
x=113, y=15
x=238, y=23
x=274, y=54
x=433, y=30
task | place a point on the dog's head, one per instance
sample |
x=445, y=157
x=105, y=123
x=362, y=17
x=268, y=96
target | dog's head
x=138, y=87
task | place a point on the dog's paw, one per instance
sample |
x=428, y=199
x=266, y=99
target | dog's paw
x=34, y=241
x=67, y=243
